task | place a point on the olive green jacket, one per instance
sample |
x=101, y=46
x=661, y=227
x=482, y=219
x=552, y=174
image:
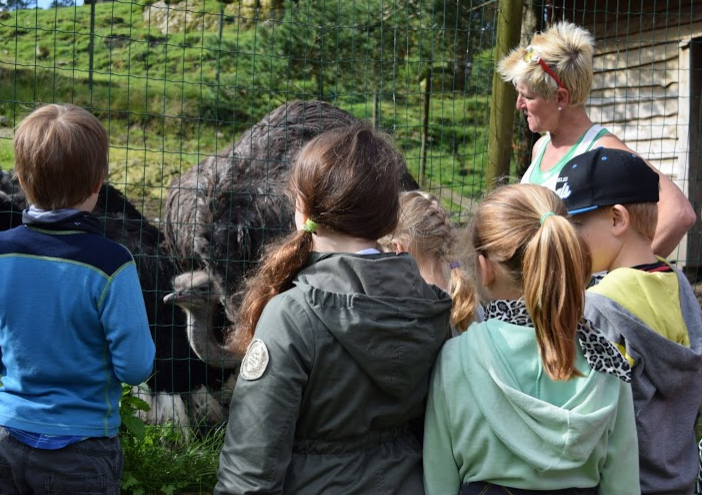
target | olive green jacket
x=350, y=350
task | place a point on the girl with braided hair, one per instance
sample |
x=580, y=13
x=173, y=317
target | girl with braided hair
x=426, y=232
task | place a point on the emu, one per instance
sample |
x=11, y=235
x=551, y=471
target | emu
x=200, y=295
x=221, y=212
x=11, y=200
x=180, y=380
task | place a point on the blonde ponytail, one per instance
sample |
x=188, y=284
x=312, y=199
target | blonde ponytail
x=464, y=299
x=524, y=228
x=554, y=273
x=427, y=233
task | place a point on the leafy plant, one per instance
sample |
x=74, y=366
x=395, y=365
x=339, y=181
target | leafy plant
x=132, y=428
x=164, y=459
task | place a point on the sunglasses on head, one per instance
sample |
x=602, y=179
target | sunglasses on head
x=531, y=56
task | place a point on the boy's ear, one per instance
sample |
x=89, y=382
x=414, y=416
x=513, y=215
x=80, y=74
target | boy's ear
x=486, y=273
x=620, y=220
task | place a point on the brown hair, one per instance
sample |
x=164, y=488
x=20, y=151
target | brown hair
x=347, y=180
x=426, y=231
x=524, y=229
x=60, y=155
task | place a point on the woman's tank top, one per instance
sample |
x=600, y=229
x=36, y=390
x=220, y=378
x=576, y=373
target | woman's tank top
x=534, y=175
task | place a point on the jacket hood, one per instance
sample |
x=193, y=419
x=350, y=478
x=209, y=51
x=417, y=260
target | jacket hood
x=669, y=366
x=381, y=312
x=65, y=219
x=548, y=424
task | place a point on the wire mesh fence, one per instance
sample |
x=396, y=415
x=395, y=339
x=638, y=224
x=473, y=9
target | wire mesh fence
x=179, y=84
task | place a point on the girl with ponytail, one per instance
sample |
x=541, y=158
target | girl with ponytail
x=339, y=337
x=533, y=399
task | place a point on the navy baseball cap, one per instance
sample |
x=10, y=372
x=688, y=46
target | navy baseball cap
x=606, y=177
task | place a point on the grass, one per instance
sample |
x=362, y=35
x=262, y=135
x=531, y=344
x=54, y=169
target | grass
x=148, y=150
x=162, y=459
x=171, y=98
x=165, y=463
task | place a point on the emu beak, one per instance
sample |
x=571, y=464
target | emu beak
x=172, y=298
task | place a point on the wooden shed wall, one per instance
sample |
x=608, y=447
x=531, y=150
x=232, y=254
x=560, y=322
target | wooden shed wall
x=645, y=84
x=636, y=95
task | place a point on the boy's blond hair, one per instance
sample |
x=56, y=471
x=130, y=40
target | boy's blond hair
x=60, y=155
x=567, y=49
x=643, y=217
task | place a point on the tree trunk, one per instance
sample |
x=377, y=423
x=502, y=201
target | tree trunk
x=509, y=20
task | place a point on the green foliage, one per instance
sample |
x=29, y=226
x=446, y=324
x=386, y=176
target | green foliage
x=164, y=459
x=132, y=429
x=482, y=71
x=15, y=4
x=171, y=93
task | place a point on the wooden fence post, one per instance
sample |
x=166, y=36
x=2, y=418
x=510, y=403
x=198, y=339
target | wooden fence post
x=509, y=24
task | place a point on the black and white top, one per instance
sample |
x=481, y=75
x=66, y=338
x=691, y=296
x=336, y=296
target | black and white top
x=600, y=353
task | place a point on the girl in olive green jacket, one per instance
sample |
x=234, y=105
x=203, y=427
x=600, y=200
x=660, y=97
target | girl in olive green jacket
x=340, y=338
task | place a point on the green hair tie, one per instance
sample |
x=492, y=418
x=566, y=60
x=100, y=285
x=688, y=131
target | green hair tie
x=310, y=226
x=545, y=216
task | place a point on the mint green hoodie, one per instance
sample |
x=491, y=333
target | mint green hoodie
x=495, y=415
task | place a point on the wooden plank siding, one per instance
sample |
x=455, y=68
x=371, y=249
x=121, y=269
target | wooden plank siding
x=641, y=87
x=645, y=84
x=640, y=92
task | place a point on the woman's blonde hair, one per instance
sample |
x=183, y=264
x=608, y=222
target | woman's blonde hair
x=567, y=49
x=427, y=233
x=347, y=180
x=523, y=228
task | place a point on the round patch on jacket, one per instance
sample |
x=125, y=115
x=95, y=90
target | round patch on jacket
x=255, y=361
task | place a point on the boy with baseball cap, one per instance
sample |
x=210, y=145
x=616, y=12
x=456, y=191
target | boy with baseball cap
x=644, y=305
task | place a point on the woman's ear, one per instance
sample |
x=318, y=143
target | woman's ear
x=486, y=271
x=620, y=220
x=562, y=97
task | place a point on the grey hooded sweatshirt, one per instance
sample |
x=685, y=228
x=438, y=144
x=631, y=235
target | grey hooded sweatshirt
x=350, y=348
x=643, y=314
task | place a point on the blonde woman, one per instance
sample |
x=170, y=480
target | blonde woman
x=553, y=77
x=426, y=232
x=532, y=398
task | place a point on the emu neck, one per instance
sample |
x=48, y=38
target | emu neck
x=203, y=341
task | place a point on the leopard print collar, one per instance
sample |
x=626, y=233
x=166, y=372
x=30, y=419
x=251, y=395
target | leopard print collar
x=600, y=353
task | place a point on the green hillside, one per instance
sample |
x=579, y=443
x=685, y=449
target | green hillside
x=174, y=88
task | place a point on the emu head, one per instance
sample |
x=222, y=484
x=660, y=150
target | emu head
x=196, y=290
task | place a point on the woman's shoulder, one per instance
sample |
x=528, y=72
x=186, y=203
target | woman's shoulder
x=609, y=140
